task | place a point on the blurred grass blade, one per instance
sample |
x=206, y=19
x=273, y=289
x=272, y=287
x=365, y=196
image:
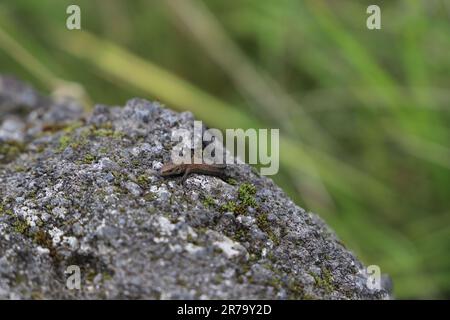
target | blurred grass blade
x=269, y=97
x=356, y=54
x=27, y=60
x=58, y=87
x=425, y=150
x=145, y=76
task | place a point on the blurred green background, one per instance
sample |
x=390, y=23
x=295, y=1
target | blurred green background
x=363, y=115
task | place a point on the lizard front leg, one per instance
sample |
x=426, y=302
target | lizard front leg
x=187, y=172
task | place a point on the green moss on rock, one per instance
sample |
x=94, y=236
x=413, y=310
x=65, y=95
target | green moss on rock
x=324, y=281
x=208, y=202
x=88, y=158
x=9, y=150
x=246, y=194
x=264, y=224
x=64, y=142
x=21, y=227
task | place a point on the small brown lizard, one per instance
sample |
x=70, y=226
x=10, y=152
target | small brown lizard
x=170, y=170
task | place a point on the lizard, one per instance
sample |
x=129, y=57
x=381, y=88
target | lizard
x=171, y=170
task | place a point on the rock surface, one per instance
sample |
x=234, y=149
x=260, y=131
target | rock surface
x=84, y=190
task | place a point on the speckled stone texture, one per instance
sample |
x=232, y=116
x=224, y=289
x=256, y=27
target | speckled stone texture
x=84, y=189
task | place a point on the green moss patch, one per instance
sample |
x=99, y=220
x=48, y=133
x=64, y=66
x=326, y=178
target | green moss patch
x=9, y=150
x=324, y=281
x=246, y=194
x=264, y=224
x=245, y=198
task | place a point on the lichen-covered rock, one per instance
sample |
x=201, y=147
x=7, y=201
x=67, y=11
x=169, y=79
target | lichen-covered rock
x=85, y=190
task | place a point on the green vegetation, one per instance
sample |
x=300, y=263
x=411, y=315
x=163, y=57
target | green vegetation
x=232, y=181
x=64, y=142
x=264, y=225
x=142, y=180
x=4, y=211
x=244, y=200
x=88, y=158
x=363, y=115
x=10, y=150
x=230, y=206
x=20, y=226
x=79, y=139
x=324, y=281
x=246, y=194
x=208, y=201
x=104, y=132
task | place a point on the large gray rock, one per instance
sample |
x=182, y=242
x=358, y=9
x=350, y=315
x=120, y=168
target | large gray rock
x=85, y=191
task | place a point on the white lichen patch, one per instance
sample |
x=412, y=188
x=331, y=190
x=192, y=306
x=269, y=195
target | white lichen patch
x=203, y=182
x=247, y=221
x=157, y=165
x=164, y=229
x=187, y=232
x=133, y=188
x=30, y=216
x=229, y=247
x=105, y=164
x=56, y=235
x=71, y=242
x=45, y=216
x=264, y=252
x=42, y=251
x=59, y=212
x=161, y=192
x=59, y=186
x=175, y=248
x=3, y=228
x=192, y=248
